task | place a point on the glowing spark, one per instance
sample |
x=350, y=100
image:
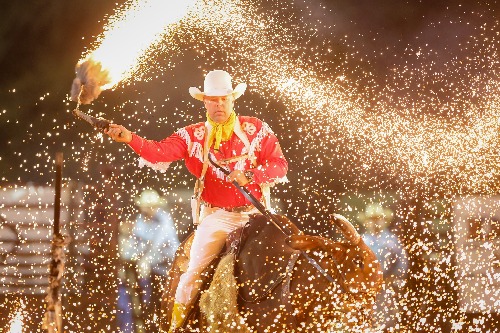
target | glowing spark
x=131, y=32
x=404, y=140
x=395, y=129
x=16, y=324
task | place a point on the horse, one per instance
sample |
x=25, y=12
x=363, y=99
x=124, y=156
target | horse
x=269, y=281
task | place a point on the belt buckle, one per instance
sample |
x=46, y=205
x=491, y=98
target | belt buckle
x=238, y=209
x=241, y=209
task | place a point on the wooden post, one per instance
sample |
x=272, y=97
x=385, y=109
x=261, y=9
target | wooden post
x=53, y=316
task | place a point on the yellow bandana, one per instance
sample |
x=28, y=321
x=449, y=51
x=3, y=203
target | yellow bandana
x=221, y=132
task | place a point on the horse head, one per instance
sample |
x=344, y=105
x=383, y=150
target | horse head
x=359, y=269
x=347, y=297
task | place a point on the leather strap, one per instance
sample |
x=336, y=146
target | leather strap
x=285, y=289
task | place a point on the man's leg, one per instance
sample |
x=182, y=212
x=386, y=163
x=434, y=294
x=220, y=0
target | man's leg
x=124, y=314
x=208, y=241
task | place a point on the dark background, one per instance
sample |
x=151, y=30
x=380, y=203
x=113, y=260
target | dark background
x=40, y=43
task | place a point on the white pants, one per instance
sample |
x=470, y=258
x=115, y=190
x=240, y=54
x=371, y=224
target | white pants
x=209, y=239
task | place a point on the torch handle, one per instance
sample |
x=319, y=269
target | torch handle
x=97, y=122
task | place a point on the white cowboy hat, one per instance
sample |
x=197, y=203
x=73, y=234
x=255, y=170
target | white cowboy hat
x=218, y=83
x=375, y=210
x=149, y=198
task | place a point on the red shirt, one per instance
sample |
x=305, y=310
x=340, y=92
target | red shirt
x=187, y=144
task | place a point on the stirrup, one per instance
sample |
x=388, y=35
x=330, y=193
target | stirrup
x=179, y=315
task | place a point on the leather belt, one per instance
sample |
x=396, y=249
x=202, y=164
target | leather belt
x=238, y=209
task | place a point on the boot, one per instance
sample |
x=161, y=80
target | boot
x=179, y=314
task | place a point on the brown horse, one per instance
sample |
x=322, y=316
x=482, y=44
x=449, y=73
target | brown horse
x=269, y=282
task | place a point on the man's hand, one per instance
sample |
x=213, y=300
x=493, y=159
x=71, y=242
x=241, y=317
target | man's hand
x=144, y=267
x=119, y=133
x=239, y=177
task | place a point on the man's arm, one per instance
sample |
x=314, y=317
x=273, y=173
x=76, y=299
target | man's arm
x=171, y=149
x=272, y=164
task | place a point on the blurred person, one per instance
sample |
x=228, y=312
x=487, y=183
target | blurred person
x=392, y=257
x=245, y=146
x=147, y=249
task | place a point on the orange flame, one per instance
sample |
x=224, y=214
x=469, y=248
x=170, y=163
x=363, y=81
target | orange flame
x=133, y=30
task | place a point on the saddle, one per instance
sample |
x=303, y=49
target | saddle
x=263, y=258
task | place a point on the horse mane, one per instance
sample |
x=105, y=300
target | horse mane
x=219, y=304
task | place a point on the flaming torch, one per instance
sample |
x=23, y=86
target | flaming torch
x=123, y=46
x=88, y=84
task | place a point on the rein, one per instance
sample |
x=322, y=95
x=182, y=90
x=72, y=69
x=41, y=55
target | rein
x=283, y=228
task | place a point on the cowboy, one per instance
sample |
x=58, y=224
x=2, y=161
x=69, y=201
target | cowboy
x=392, y=257
x=390, y=253
x=147, y=249
x=243, y=145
